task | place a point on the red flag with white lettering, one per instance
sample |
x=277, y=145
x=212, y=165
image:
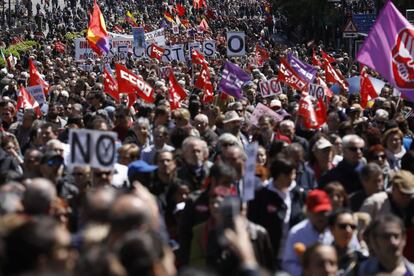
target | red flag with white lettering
x=110, y=85
x=36, y=78
x=327, y=57
x=176, y=92
x=156, y=51
x=313, y=118
x=334, y=76
x=204, y=83
x=366, y=87
x=315, y=60
x=26, y=101
x=197, y=58
x=289, y=76
x=261, y=55
x=129, y=83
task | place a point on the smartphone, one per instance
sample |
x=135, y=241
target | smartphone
x=229, y=210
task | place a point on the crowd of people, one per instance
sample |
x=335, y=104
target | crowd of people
x=336, y=200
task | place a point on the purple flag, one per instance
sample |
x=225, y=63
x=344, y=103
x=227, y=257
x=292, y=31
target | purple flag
x=232, y=79
x=389, y=50
x=306, y=71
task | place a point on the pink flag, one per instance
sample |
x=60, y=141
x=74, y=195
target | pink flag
x=389, y=50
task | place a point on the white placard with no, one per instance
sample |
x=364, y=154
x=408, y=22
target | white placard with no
x=92, y=147
x=270, y=87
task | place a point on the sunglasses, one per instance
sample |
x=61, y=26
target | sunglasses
x=355, y=149
x=54, y=162
x=343, y=226
x=379, y=156
x=228, y=144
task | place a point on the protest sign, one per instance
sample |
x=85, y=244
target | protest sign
x=317, y=91
x=262, y=110
x=236, y=44
x=270, y=87
x=37, y=93
x=92, y=148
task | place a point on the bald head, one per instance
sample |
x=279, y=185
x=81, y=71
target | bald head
x=38, y=197
x=129, y=212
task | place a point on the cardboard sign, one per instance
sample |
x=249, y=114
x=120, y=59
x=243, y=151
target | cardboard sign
x=92, y=147
x=236, y=44
x=317, y=91
x=37, y=93
x=262, y=110
x=270, y=87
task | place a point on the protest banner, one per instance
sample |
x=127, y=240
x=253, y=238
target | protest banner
x=262, y=110
x=92, y=148
x=270, y=87
x=236, y=44
x=37, y=93
x=209, y=48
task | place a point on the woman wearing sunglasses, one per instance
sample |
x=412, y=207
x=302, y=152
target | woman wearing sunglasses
x=343, y=225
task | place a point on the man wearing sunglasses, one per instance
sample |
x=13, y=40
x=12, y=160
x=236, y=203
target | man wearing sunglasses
x=51, y=167
x=347, y=171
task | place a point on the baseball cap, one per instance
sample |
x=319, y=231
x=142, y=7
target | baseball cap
x=318, y=201
x=322, y=143
x=275, y=103
x=140, y=166
x=404, y=181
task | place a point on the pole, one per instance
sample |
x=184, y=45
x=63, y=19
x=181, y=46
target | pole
x=350, y=47
x=8, y=19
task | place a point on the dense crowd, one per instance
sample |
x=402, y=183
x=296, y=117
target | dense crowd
x=335, y=200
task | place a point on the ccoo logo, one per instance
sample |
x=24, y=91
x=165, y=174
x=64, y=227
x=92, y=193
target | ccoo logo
x=403, y=59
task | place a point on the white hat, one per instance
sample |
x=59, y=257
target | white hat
x=275, y=103
x=322, y=143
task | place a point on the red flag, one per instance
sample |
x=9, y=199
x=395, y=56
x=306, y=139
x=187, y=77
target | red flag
x=366, y=87
x=110, y=85
x=313, y=118
x=130, y=83
x=59, y=47
x=261, y=55
x=333, y=76
x=26, y=101
x=185, y=22
x=204, y=83
x=315, y=60
x=198, y=4
x=36, y=78
x=289, y=76
x=176, y=92
x=203, y=25
x=180, y=9
x=198, y=58
x=156, y=51
x=327, y=57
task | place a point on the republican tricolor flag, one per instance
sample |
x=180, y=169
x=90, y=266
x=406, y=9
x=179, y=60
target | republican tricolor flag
x=97, y=35
x=366, y=87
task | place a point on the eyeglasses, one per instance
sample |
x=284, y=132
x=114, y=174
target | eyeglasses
x=343, y=226
x=355, y=149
